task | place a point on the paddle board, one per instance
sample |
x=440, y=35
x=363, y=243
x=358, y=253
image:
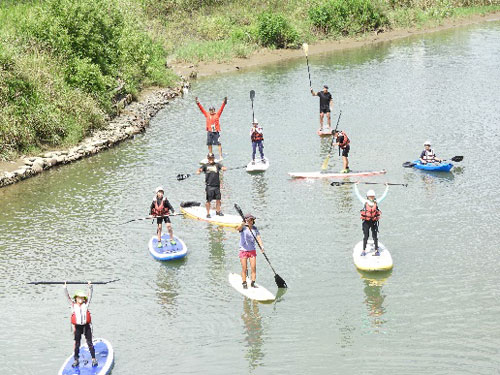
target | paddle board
x=324, y=132
x=318, y=175
x=167, y=251
x=371, y=262
x=259, y=294
x=258, y=166
x=103, y=353
x=200, y=213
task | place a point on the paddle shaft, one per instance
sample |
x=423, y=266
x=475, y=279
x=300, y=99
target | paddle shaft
x=327, y=159
x=367, y=183
x=71, y=282
x=252, y=96
x=181, y=177
x=151, y=217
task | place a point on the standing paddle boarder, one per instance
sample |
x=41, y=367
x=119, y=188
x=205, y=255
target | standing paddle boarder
x=247, y=249
x=161, y=209
x=81, y=319
x=213, y=125
x=257, y=137
x=212, y=183
x=342, y=141
x=325, y=106
x=370, y=215
x=428, y=155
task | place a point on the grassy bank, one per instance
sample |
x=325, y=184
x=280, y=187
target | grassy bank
x=64, y=63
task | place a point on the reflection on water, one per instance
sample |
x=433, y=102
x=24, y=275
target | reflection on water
x=216, y=236
x=259, y=190
x=168, y=285
x=374, y=298
x=252, y=322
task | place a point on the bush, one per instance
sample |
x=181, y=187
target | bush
x=274, y=30
x=346, y=17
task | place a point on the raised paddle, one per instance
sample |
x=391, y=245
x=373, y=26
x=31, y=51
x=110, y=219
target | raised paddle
x=151, y=217
x=252, y=97
x=335, y=183
x=183, y=176
x=456, y=159
x=277, y=278
x=71, y=282
x=327, y=160
x=305, y=46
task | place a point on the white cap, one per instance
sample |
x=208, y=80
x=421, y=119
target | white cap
x=370, y=193
x=159, y=188
x=427, y=143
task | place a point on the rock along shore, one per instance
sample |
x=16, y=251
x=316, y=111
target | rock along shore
x=133, y=118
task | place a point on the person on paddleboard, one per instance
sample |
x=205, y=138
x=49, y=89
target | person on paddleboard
x=342, y=142
x=161, y=209
x=370, y=215
x=428, y=155
x=257, y=137
x=81, y=319
x=212, y=183
x=247, y=249
x=213, y=125
x=325, y=106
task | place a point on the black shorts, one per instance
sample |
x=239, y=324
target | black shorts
x=159, y=220
x=345, y=151
x=324, y=109
x=213, y=192
x=213, y=138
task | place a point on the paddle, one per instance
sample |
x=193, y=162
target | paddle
x=151, y=217
x=252, y=97
x=183, y=176
x=335, y=183
x=457, y=159
x=71, y=282
x=277, y=278
x=306, y=49
x=327, y=160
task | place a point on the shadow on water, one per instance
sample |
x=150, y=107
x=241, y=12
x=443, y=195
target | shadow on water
x=252, y=323
x=374, y=298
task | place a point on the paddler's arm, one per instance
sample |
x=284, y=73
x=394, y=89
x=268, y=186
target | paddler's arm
x=151, y=208
x=66, y=293
x=422, y=154
x=170, y=208
x=89, y=292
x=259, y=241
x=313, y=93
x=199, y=170
x=201, y=107
x=222, y=107
x=241, y=226
x=331, y=103
x=356, y=190
x=385, y=193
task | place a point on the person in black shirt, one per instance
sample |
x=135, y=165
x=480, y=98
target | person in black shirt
x=212, y=182
x=325, y=104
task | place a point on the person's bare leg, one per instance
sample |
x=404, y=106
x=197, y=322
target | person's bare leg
x=207, y=205
x=217, y=205
x=329, y=120
x=243, y=269
x=220, y=152
x=253, y=266
x=321, y=115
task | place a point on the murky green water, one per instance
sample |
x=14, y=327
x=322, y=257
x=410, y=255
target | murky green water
x=436, y=313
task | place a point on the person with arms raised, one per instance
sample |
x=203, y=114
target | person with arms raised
x=213, y=125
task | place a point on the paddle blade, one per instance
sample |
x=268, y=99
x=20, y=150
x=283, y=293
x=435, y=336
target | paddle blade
x=408, y=164
x=181, y=176
x=305, y=46
x=279, y=281
x=457, y=158
x=190, y=204
x=325, y=163
x=252, y=94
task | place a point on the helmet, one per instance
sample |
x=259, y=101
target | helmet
x=80, y=293
x=370, y=193
x=159, y=188
x=427, y=143
x=249, y=216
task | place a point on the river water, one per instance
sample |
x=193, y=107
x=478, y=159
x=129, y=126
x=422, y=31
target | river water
x=437, y=312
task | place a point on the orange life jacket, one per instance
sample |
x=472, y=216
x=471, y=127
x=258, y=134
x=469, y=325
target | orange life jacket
x=256, y=136
x=88, y=320
x=160, y=209
x=370, y=213
x=346, y=140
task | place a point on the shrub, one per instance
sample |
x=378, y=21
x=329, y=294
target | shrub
x=274, y=30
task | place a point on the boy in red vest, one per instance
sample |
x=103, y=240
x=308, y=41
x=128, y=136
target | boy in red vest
x=161, y=209
x=213, y=125
x=257, y=137
x=81, y=319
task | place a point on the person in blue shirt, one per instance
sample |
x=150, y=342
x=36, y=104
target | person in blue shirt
x=248, y=234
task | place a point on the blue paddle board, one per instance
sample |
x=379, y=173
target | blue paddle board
x=167, y=251
x=103, y=353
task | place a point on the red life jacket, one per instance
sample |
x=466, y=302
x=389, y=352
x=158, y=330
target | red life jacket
x=370, y=213
x=73, y=318
x=160, y=209
x=256, y=136
x=346, y=140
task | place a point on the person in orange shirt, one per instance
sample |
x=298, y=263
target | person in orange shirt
x=213, y=125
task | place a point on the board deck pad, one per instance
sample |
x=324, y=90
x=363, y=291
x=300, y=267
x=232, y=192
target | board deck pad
x=200, y=213
x=103, y=353
x=371, y=262
x=259, y=294
x=259, y=166
x=319, y=175
x=167, y=251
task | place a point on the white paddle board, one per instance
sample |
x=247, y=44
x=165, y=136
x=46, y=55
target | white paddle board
x=258, y=166
x=318, y=175
x=259, y=294
x=200, y=213
x=324, y=132
x=370, y=261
